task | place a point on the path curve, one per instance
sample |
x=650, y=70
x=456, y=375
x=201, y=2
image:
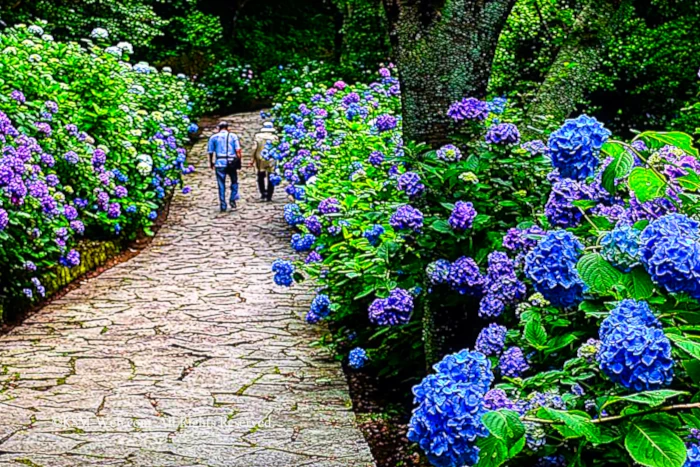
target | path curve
x=186, y=355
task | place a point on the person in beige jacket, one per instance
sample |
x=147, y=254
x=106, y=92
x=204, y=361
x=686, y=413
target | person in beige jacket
x=264, y=167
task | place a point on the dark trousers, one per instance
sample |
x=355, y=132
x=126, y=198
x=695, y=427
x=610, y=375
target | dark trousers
x=265, y=192
x=221, y=174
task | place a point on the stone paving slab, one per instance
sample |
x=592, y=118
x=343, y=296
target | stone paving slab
x=187, y=355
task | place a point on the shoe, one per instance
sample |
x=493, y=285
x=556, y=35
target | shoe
x=263, y=197
x=268, y=200
x=222, y=210
x=233, y=206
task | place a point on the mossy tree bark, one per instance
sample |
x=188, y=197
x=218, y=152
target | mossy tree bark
x=444, y=50
x=572, y=74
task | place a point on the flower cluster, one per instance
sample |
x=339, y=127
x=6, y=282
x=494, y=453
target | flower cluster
x=449, y=153
x=491, y=339
x=512, y=363
x=407, y=217
x=329, y=206
x=320, y=308
x=670, y=252
x=303, y=242
x=634, y=351
x=373, y=234
x=501, y=286
x=446, y=421
x=393, y=310
x=410, y=184
x=574, y=148
x=551, y=266
x=357, y=358
x=469, y=109
x=293, y=215
x=438, y=271
x=621, y=247
x=284, y=270
x=464, y=277
x=503, y=133
x=462, y=216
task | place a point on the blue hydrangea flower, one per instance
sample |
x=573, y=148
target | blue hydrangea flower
x=465, y=277
x=498, y=399
x=303, y=242
x=320, y=308
x=373, y=234
x=512, y=363
x=407, y=217
x=497, y=105
x=292, y=214
x=503, y=133
x=551, y=266
x=693, y=459
x=671, y=253
x=376, y=158
x=634, y=351
x=357, y=358
x=462, y=216
x=574, y=148
x=71, y=260
x=491, y=339
x=283, y=272
x=560, y=210
x=393, y=310
x=621, y=247
x=446, y=421
x=410, y=184
x=438, y=271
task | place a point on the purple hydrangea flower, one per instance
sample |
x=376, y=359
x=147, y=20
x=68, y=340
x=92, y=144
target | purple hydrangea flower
x=410, y=183
x=121, y=192
x=449, y=153
x=18, y=96
x=386, y=122
x=469, y=109
x=71, y=157
x=313, y=257
x=503, y=133
x=465, y=277
x=114, y=211
x=4, y=219
x=512, y=363
x=376, y=158
x=462, y=216
x=314, y=225
x=71, y=260
x=99, y=157
x=407, y=217
x=329, y=206
x=491, y=339
x=393, y=310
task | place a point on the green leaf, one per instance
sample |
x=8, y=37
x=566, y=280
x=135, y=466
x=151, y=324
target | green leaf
x=492, y=452
x=654, y=445
x=653, y=398
x=504, y=425
x=658, y=139
x=585, y=204
x=535, y=333
x=690, y=182
x=599, y=275
x=690, y=347
x=577, y=422
x=441, y=226
x=646, y=184
x=640, y=286
x=619, y=168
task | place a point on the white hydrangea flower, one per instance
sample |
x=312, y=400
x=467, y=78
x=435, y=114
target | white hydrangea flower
x=99, y=33
x=126, y=47
x=181, y=76
x=35, y=58
x=37, y=30
x=144, y=164
x=137, y=89
x=167, y=69
x=47, y=37
x=142, y=67
x=116, y=51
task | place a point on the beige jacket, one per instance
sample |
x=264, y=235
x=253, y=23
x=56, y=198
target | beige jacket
x=261, y=140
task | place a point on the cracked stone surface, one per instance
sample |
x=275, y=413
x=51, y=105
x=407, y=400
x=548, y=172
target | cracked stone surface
x=187, y=355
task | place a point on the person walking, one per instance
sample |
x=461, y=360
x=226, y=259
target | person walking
x=264, y=167
x=225, y=157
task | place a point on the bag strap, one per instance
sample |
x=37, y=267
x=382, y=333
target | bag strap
x=227, y=135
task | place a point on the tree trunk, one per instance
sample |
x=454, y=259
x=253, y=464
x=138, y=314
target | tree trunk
x=572, y=74
x=444, y=50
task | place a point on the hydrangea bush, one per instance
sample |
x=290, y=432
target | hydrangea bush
x=89, y=150
x=578, y=254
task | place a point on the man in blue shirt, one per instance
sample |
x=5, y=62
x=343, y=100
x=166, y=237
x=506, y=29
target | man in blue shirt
x=225, y=156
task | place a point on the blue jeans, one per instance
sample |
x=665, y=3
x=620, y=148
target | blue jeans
x=221, y=173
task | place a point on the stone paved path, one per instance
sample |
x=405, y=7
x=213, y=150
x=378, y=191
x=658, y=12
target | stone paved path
x=186, y=355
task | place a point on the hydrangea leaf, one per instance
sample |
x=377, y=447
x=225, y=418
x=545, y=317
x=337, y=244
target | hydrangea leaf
x=504, y=425
x=652, y=398
x=599, y=275
x=654, y=445
x=683, y=343
x=659, y=139
x=690, y=182
x=619, y=168
x=639, y=285
x=441, y=226
x=535, y=333
x=646, y=184
x=492, y=452
x=577, y=422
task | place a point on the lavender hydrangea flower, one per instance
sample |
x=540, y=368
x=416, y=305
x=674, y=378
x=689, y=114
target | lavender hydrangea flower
x=71, y=157
x=410, y=183
x=449, y=153
x=560, y=209
x=522, y=240
x=501, y=286
x=313, y=224
x=503, y=133
x=18, y=96
x=465, y=277
x=329, y=206
x=4, y=219
x=313, y=257
x=468, y=109
x=535, y=147
x=512, y=363
x=497, y=399
x=407, y=217
x=376, y=158
x=393, y=310
x=386, y=122
x=462, y=216
x=71, y=260
x=491, y=339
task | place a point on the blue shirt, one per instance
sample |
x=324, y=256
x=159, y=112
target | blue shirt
x=217, y=144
